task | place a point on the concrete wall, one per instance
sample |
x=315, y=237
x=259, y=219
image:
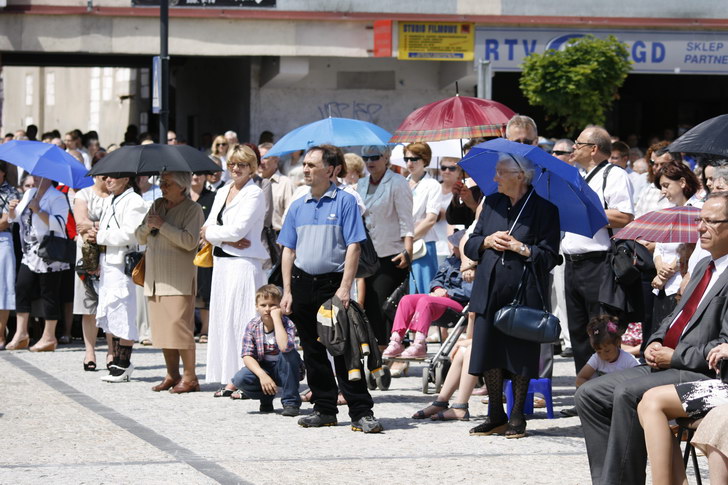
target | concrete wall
x=614, y=8
x=101, y=99
x=318, y=94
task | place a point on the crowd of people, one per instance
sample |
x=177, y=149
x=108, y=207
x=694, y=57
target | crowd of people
x=301, y=220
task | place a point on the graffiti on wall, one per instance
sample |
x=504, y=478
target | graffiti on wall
x=356, y=110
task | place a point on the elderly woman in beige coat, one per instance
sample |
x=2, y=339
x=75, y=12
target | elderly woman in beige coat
x=171, y=232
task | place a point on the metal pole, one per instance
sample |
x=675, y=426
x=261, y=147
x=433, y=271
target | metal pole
x=485, y=80
x=164, y=68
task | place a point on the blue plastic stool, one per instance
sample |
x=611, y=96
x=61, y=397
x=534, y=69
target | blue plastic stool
x=542, y=386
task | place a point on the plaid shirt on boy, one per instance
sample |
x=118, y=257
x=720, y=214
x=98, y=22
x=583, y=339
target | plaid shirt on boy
x=254, y=338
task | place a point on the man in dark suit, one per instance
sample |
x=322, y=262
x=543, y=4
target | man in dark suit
x=676, y=353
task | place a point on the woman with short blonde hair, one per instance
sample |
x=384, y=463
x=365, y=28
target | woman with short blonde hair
x=238, y=213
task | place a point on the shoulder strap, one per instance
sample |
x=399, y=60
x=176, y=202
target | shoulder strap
x=596, y=170
x=610, y=166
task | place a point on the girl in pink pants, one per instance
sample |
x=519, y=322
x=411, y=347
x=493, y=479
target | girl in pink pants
x=417, y=312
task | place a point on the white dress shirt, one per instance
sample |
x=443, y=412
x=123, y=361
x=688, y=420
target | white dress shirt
x=618, y=195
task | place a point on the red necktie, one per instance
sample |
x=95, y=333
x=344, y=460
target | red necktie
x=676, y=330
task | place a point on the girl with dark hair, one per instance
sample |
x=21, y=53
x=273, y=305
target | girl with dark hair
x=605, y=337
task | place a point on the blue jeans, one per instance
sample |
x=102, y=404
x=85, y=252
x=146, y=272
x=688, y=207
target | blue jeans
x=285, y=372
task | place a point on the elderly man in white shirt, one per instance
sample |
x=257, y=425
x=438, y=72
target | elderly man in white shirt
x=586, y=257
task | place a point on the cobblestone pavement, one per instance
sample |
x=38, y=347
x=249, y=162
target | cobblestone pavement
x=63, y=425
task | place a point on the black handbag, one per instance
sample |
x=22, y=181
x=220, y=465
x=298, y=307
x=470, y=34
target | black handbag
x=390, y=305
x=526, y=323
x=368, y=259
x=56, y=248
x=273, y=250
x=131, y=260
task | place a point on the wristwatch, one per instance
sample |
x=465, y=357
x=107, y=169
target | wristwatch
x=522, y=249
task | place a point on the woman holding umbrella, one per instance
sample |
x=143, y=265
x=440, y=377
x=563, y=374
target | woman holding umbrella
x=116, y=310
x=171, y=232
x=678, y=184
x=517, y=229
x=41, y=210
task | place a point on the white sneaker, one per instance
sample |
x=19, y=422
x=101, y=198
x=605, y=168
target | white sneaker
x=118, y=374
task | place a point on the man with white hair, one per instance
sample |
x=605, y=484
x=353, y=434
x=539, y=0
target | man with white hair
x=232, y=138
x=281, y=186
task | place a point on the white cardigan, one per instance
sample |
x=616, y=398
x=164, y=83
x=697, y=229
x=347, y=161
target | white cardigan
x=388, y=214
x=243, y=217
x=121, y=216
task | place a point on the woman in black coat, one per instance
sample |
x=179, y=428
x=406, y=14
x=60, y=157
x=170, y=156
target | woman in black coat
x=503, y=250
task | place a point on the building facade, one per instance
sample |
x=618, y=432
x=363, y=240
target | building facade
x=255, y=65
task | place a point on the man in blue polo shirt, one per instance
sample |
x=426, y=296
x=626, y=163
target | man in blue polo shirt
x=320, y=238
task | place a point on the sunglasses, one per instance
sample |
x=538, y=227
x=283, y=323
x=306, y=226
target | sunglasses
x=449, y=168
x=372, y=158
x=240, y=165
x=560, y=152
x=525, y=141
x=412, y=159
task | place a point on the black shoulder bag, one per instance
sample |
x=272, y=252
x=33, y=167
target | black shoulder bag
x=55, y=248
x=526, y=323
x=368, y=258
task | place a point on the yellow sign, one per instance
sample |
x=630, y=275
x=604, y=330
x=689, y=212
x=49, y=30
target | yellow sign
x=436, y=41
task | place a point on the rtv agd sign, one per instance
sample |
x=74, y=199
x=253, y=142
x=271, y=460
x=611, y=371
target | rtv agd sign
x=669, y=52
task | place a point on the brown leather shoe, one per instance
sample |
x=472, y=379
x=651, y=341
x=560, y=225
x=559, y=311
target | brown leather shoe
x=183, y=387
x=51, y=347
x=20, y=344
x=167, y=384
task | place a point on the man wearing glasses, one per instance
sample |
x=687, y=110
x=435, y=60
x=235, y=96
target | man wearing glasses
x=522, y=129
x=563, y=149
x=586, y=257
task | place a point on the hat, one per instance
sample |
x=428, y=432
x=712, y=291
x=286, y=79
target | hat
x=456, y=237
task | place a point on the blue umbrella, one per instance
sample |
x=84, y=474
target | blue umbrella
x=340, y=132
x=47, y=161
x=580, y=209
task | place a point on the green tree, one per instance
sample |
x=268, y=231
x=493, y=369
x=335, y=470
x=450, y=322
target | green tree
x=576, y=86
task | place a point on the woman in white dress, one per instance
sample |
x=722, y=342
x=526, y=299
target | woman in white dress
x=116, y=312
x=234, y=228
x=87, y=208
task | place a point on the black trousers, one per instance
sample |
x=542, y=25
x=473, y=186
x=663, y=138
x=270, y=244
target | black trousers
x=47, y=286
x=308, y=293
x=378, y=288
x=583, y=279
x=615, y=441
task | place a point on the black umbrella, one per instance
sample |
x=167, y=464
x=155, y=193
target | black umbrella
x=153, y=159
x=708, y=138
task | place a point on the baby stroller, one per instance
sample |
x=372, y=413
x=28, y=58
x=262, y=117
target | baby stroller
x=438, y=365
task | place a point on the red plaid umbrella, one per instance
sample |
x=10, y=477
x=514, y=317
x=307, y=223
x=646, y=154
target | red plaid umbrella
x=456, y=117
x=671, y=225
